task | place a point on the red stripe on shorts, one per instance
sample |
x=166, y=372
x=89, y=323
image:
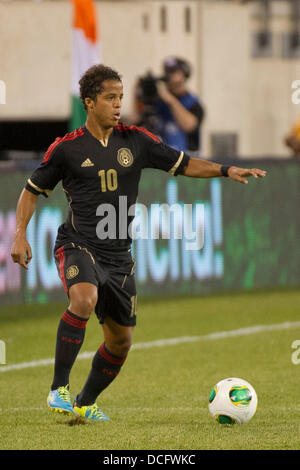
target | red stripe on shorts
x=61, y=256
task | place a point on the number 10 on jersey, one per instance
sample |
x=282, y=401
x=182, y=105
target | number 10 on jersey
x=109, y=180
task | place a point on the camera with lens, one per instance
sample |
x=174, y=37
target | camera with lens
x=146, y=98
x=147, y=84
x=146, y=93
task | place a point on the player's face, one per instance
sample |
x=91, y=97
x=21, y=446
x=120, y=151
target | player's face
x=107, y=107
x=176, y=83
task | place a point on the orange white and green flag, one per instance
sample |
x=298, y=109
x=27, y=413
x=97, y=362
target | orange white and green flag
x=85, y=53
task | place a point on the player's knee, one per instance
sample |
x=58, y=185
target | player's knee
x=125, y=345
x=121, y=345
x=83, y=304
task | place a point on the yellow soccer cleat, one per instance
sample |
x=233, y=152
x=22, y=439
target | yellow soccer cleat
x=90, y=412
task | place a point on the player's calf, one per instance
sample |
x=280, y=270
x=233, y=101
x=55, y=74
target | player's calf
x=70, y=336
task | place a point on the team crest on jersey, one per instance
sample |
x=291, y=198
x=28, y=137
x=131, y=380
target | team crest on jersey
x=72, y=271
x=125, y=157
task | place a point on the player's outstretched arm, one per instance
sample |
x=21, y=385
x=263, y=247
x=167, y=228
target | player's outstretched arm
x=198, y=168
x=21, y=250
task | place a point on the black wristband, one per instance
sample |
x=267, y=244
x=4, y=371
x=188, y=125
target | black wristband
x=224, y=170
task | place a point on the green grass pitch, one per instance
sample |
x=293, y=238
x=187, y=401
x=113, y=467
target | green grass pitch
x=160, y=399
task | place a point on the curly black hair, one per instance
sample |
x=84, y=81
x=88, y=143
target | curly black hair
x=90, y=83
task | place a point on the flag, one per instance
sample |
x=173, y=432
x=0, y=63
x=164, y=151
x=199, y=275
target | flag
x=85, y=53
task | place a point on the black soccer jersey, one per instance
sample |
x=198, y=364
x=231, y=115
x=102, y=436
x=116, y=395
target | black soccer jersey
x=101, y=182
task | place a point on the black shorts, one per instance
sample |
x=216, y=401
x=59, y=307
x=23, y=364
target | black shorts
x=112, y=273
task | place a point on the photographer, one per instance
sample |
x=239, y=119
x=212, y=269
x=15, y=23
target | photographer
x=166, y=107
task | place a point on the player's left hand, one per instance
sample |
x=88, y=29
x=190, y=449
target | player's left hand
x=240, y=174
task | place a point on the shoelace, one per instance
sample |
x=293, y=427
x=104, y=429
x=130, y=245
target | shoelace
x=64, y=393
x=95, y=411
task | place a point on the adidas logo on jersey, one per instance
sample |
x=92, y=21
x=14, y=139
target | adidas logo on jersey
x=86, y=163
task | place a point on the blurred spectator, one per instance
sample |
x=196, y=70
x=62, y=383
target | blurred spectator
x=292, y=139
x=166, y=107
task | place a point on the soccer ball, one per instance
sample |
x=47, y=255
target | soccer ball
x=232, y=401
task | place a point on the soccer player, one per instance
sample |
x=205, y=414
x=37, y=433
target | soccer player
x=97, y=164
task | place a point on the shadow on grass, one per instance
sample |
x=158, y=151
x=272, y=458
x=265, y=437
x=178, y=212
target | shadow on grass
x=77, y=421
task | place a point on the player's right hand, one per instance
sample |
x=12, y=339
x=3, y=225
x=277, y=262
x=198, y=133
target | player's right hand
x=21, y=252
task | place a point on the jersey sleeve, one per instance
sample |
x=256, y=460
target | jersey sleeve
x=46, y=176
x=161, y=156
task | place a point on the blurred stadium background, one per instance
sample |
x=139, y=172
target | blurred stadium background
x=245, y=56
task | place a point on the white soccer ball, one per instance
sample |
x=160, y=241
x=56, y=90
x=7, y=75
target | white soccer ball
x=232, y=401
